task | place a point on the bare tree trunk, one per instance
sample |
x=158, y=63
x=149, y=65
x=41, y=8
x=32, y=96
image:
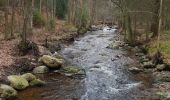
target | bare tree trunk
x=25, y=24
x=40, y=6
x=32, y=12
x=155, y=22
x=6, y=20
x=159, y=25
x=12, y=19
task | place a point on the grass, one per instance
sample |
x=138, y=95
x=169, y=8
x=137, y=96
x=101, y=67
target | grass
x=164, y=45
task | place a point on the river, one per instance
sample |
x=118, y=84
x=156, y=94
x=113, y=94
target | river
x=107, y=75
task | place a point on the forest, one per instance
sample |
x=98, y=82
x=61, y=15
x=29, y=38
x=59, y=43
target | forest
x=84, y=50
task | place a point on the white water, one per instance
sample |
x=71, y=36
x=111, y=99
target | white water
x=106, y=79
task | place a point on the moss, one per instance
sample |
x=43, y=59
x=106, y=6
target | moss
x=38, y=19
x=18, y=82
x=29, y=77
x=37, y=82
x=164, y=45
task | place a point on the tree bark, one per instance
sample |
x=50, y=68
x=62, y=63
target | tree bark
x=155, y=22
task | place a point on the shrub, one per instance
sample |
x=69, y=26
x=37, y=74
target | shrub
x=51, y=24
x=38, y=19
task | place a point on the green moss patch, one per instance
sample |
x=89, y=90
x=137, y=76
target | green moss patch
x=164, y=45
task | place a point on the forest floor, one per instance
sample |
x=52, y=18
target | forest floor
x=10, y=56
x=162, y=78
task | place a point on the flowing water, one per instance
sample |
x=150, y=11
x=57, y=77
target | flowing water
x=107, y=77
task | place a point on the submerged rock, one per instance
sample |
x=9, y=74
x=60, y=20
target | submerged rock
x=41, y=70
x=51, y=62
x=135, y=70
x=37, y=82
x=29, y=77
x=113, y=46
x=7, y=92
x=73, y=70
x=18, y=82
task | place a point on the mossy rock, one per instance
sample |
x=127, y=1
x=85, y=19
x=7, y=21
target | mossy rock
x=148, y=64
x=7, y=92
x=161, y=67
x=57, y=55
x=37, y=82
x=18, y=82
x=73, y=70
x=164, y=78
x=159, y=96
x=51, y=62
x=29, y=77
x=41, y=70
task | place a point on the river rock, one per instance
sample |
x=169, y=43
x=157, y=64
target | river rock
x=7, y=92
x=159, y=96
x=113, y=46
x=41, y=70
x=135, y=70
x=18, y=82
x=165, y=78
x=57, y=55
x=37, y=82
x=144, y=59
x=148, y=64
x=161, y=67
x=29, y=77
x=93, y=28
x=51, y=62
x=73, y=70
x=139, y=54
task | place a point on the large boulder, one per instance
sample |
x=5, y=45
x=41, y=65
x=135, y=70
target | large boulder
x=41, y=70
x=29, y=77
x=37, y=82
x=7, y=92
x=51, y=62
x=18, y=82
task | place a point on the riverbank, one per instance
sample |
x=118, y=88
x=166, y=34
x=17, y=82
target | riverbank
x=11, y=62
x=159, y=70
